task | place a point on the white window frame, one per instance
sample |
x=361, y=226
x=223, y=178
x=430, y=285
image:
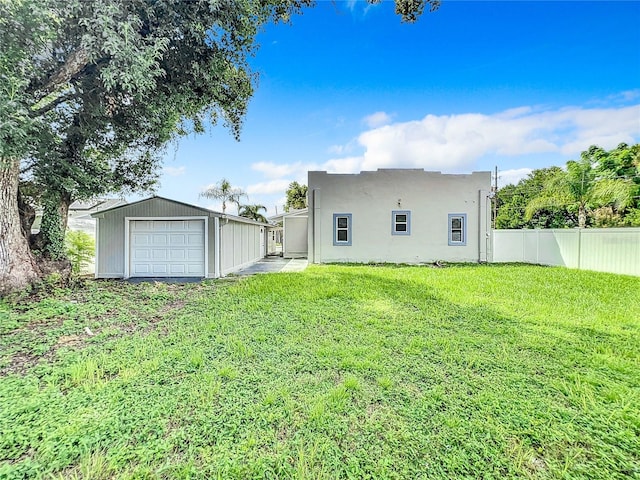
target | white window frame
x=394, y=222
x=463, y=229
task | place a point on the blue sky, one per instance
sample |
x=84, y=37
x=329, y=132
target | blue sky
x=348, y=87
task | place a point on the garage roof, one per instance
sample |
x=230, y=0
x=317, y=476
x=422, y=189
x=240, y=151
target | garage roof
x=209, y=212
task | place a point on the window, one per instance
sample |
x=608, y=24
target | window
x=457, y=229
x=401, y=222
x=342, y=229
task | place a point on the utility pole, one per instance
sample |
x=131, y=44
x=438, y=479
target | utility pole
x=495, y=196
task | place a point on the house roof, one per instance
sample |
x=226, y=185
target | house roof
x=96, y=204
x=203, y=209
x=292, y=213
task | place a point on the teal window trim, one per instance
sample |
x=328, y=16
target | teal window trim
x=342, y=223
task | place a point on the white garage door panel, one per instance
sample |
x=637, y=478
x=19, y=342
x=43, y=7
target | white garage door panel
x=166, y=248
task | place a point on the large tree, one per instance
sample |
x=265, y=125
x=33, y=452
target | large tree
x=296, y=196
x=25, y=29
x=513, y=200
x=71, y=71
x=581, y=188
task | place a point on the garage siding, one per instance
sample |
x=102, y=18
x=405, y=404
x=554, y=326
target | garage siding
x=240, y=245
x=240, y=239
x=110, y=232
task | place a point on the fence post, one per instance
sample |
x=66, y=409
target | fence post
x=579, y=247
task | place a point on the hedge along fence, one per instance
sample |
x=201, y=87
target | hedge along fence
x=613, y=250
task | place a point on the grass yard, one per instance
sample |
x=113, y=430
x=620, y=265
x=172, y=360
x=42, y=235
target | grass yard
x=336, y=372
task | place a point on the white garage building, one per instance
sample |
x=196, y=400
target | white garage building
x=159, y=237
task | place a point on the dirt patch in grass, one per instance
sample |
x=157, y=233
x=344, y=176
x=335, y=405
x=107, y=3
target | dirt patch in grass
x=72, y=318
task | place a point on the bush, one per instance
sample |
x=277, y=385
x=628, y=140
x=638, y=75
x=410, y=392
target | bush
x=80, y=248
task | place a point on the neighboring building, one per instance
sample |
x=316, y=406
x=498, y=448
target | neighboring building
x=79, y=217
x=80, y=213
x=399, y=216
x=292, y=231
x=159, y=237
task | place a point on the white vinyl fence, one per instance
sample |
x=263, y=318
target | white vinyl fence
x=613, y=250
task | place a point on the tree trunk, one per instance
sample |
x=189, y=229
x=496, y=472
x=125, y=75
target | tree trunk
x=18, y=268
x=582, y=216
x=27, y=215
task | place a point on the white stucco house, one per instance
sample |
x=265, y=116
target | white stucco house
x=399, y=216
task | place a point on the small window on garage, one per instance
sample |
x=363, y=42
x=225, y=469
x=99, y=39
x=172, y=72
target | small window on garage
x=401, y=222
x=342, y=229
x=457, y=229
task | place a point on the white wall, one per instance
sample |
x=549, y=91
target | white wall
x=614, y=250
x=371, y=197
x=295, y=236
x=240, y=245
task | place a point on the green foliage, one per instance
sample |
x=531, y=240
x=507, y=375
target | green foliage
x=296, y=196
x=25, y=28
x=115, y=81
x=632, y=218
x=51, y=228
x=410, y=10
x=80, y=248
x=225, y=192
x=91, y=91
x=253, y=212
x=336, y=372
x=601, y=189
x=513, y=200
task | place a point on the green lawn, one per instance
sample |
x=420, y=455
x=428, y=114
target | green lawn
x=337, y=372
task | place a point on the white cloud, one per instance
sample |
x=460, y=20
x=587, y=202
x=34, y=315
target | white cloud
x=336, y=149
x=175, y=171
x=342, y=165
x=454, y=143
x=273, y=170
x=377, y=119
x=457, y=141
x=626, y=96
x=513, y=176
x=273, y=186
x=345, y=149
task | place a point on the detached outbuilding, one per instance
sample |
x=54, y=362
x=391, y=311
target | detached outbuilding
x=293, y=232
x=159, y=237
x=399, y=216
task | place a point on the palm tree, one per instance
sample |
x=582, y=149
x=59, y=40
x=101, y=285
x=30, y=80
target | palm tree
x=580, y=188
x=225, y=192
x=253, y=212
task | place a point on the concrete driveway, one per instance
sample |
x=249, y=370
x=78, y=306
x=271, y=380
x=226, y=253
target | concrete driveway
x=266, y=265
x=275, y=265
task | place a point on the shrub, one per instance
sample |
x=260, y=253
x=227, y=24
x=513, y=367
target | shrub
x=80, y=248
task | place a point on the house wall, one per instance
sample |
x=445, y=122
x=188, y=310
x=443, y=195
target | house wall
x=274, y=238
x=110, y=241
x=371, y=197
x=240, y=244
x=295, y=236
x=613, y=250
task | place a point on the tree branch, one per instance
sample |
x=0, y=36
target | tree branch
x=71, y=67
x=53, y=104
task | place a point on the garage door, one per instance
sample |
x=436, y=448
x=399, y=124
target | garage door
x=166, y=248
